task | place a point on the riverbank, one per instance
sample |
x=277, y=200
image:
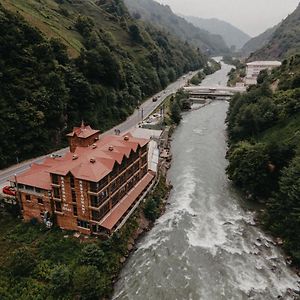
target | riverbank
x=205, y=238
x=57, y=262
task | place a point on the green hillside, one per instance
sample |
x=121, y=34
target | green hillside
x=259, y=41
x=264, y=154
x=163, y=17
x=285, y=40
x=64, y=60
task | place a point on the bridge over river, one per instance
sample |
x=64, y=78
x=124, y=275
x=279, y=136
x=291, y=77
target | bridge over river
x=212, y=92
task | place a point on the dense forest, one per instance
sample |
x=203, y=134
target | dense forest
x=163, y=17
x=285, y=40
x=264, y=153
x=47, y=85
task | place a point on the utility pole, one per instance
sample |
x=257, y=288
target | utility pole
x=18, y=194
x=142, y=114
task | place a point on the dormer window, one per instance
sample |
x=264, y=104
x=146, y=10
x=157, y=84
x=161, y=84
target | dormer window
x=55, y=179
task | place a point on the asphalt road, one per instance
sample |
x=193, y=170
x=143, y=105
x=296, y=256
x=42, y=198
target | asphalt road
x=139, y=114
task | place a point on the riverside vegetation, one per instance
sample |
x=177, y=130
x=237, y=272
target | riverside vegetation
x=37, y=263
x=264, y=153
x=61, y=62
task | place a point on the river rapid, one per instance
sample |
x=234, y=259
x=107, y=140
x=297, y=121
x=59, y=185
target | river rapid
x=206, y=245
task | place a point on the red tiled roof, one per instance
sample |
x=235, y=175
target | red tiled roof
x=119, y=210
x=87, y=163
x=38, y=175
x=83, y=131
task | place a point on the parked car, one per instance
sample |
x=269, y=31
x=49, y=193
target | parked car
x=154, y=99
x=9, y=190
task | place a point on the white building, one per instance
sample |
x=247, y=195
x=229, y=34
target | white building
x=153, y=151
x=253, y=69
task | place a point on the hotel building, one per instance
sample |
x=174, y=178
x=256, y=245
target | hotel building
x=93, y=189
x=254, y=68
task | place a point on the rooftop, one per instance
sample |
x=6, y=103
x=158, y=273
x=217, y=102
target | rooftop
x=83, y=131
x=87, y=163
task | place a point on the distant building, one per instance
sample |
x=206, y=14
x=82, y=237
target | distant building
x=254, y=68
x=93, y=189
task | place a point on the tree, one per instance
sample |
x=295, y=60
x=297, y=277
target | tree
x=175, y=112
x=87, y=283
x=283, y=216
x=22, y=262
x=60, y=279
x=135, y=33
x=151, y=210
x=92, y=255
x=248, y=167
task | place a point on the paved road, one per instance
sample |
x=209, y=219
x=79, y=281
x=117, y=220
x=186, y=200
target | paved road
x=148, y=106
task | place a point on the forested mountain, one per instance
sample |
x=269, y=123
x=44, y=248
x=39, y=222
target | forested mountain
x=63, y=61
x=259, y=41
x=162, y=16
x=285, y=40
x=264, y=154
x=232, y=36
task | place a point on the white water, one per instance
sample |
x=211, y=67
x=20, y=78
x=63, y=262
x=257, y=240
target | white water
x=205, y=246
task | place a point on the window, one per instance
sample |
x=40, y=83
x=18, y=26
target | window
x=95, y=215
x=98, y=215
x=122, y=192
x=144, y=149
x=27, y=197
x=56, y=193
x=40, y=201
x=38, y=190
x=72, y=181
x=75, y=213
x=115, y=199
x=98, y=186
x=83, y=224
x=96, y=201
x=55, y=179
x=144, y=160
x=94, y=187
x=58, y=206
x=114, y=186
x=73, y=196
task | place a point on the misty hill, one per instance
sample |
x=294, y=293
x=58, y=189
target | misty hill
x=163, y=17
x=64, y=61
x=259, y=41
x=231, y=34
x=284, y=42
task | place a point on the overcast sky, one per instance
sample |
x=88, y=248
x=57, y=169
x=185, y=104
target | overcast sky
x=252, y=16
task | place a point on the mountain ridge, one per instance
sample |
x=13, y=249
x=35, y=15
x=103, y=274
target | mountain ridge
x=63, y=62
x=232, y=35
x=259, y=41
x=284, y=42
x=163, y=17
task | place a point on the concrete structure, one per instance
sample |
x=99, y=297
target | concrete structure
x=155, y=138
x=213, y=92
x=91, y=190
x=254, y=68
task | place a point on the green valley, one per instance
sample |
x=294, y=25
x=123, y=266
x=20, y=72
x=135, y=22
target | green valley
x=67, y=61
